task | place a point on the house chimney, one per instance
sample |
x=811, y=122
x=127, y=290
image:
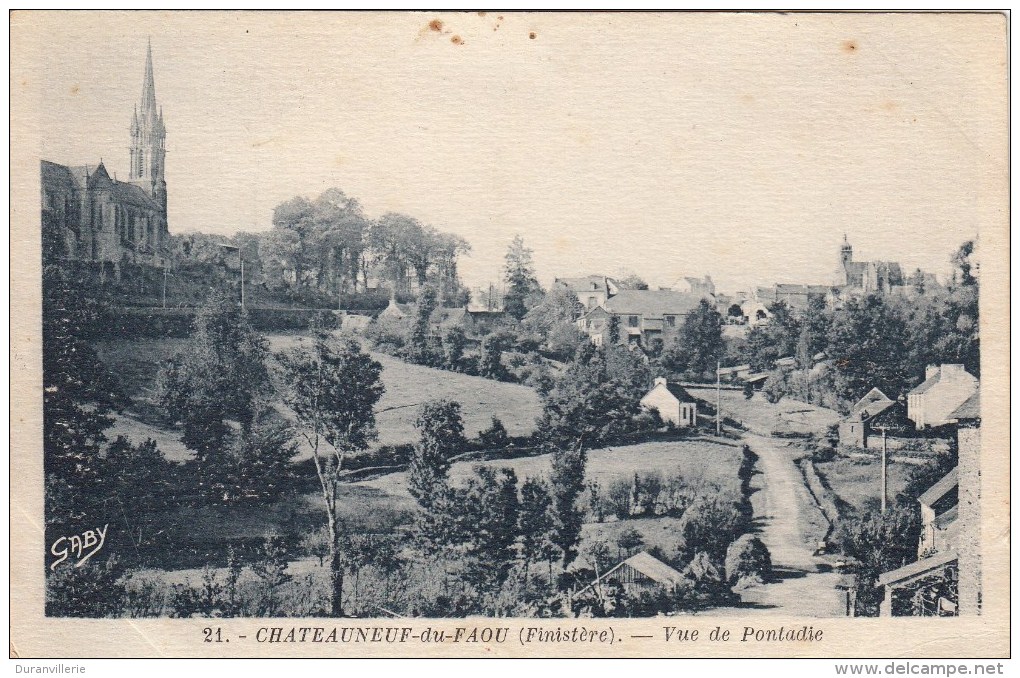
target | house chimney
x=930, y=371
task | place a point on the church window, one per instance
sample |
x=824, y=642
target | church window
x=670, y=321
x=632, y=321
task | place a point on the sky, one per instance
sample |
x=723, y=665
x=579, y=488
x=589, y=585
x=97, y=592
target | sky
x=739, y=146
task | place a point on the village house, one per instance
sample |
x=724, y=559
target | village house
x=938, y=515
x=872, y=412
x=945, y=388
x=674, y=404
x=703, y=287
x=949, y=549
x=591, y=290
x=644, y=315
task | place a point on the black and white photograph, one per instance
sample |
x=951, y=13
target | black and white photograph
x=562, y=318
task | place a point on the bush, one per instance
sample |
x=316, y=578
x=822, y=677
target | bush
x=495, y=437
x=747, y=561
x=708, y=525
x=92, y=590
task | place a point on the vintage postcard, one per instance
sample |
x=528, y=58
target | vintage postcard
x=481, y=334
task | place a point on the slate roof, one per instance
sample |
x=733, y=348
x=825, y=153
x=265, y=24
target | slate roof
x=77, y=178
x=927, y=384
x=917, y=568
x=680, y=393
x=941, y=488
x=651, y=567
x=970, y=409
x=652, y=303
x=584, y=283
x=871, y=404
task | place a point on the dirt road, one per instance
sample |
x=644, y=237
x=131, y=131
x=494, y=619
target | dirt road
x=790, y=524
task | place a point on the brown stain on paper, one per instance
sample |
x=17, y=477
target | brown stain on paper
x=850, y=46
x=457, y=40
x=436, y=25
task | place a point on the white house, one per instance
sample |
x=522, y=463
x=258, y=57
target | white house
x=945, y=387
x=672, y=402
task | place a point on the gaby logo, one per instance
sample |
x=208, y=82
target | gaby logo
x=82, y=546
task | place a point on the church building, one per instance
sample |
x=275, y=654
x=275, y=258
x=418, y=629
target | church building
x=866, y=277
x=89, y=216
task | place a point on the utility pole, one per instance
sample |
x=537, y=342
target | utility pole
x=885, y=459
x=166, y=270
x=718, y=398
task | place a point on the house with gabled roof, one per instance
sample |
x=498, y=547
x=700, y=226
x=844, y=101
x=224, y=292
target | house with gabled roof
x=591, y=290
x=945, y=388
x=948, y=568
x=673, y=403
x=872, y=411
x=647, y=315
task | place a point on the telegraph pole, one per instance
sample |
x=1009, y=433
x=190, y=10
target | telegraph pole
x=166, y=270
x=885, y=458
x=718, y=398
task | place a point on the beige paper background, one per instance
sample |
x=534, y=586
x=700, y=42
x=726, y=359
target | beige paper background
x=985, y=160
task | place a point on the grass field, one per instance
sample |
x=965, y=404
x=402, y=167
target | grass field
x=698, y=461
x=137, y=362
x=408, y=386
x=857, y=480
x=764, y=417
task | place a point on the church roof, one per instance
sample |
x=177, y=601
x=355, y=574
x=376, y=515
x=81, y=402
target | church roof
x=133, y=194
x=78, y=178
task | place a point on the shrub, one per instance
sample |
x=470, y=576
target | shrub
x=747, y=561
x=92, y=590
x=495, y=437
x=708, y=525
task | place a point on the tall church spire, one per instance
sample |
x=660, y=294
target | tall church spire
x=148, y=85
x=148, y=138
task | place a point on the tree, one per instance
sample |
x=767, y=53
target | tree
x=776, y=338
x=519, y=274
x=878, y=543
x=441, y=436
x=963, y=265
x=613, y=332
x=495, y=437
x=489, y=517
x=79, y=395
x=221, y=375
x=814, y=331
x=568, y=468
x=630, y=540
x=867, y=347
x=535, y=523
x=455, y=342
x=551, y=322
x=441, y=430
x=632, y=281
x=420, y=347
x=333, y=389
x=492, y=355
x=699, y=344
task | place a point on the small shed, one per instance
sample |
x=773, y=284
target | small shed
x=673, y=403
x=641, y=571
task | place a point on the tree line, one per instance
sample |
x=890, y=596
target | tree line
x=325, y=247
